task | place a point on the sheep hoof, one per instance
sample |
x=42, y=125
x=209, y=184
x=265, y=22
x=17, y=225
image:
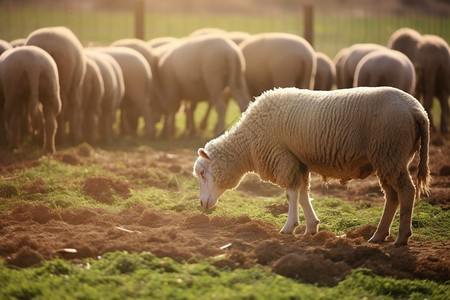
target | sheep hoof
x=310, y=233
x=282, y=231
x=378, y=238
x=399, y=242
x=288, y=229
x=312, y=228
x=402, y=240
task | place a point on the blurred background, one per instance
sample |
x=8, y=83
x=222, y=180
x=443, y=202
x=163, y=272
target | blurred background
x=335, y=23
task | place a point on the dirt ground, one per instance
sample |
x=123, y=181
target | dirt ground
x=32, y=233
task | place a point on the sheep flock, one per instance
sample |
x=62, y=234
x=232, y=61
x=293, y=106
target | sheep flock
x=80, y=101
x=55, y=91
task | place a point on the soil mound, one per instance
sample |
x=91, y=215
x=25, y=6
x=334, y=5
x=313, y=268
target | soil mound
x=32, y=233
x=102, y=188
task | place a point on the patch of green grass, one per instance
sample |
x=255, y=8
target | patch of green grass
x=180, y=193
x=336, y=215
x=364, y=282
x=121, y=275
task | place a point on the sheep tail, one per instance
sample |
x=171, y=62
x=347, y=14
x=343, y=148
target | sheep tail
x=423, y=173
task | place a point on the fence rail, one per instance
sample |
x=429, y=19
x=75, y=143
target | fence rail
x=330, y=32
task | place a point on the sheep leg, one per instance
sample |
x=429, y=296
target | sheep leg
x=169, y=125
x=124, y=126
x=428, y=95
x=312, y=222
x=189, y=109
x=13, y=129
x=144, y=107
x=89, y=126
x=105, y=127
x=204, y=122
x=293, y=220
x=390, y=207
x=73, y=114
x=61, y=129
x=406, y=192
x=221, y=108
x=443, y=100
x=50, y=130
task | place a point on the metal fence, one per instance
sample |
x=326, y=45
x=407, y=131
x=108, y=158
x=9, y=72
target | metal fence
x=330, y=32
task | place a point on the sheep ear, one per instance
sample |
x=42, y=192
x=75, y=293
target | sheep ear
x=202, y=153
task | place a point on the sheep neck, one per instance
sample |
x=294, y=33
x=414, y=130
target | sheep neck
x=233, y=148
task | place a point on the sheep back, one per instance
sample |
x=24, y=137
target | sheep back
x=199, y=68
x=343, y=134
x=405, y=40
x=325, y=73
x=386, y=67
x=278, y=60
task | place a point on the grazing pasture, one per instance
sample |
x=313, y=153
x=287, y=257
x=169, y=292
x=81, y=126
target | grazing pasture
x=123, y=219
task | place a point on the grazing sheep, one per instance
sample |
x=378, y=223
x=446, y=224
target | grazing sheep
x=386, y=67
x=345, y=134
x=141, y=47
x=351, y=59
x=278, y=60
x=325, y=73
x=405, y=40
x=432, y=64
x=161, y=41
x=339, y=63
x=132, y=114
x=236, y=36
x=67, y=51
x=29, y=80
x=18, y=42
x=137, y=77
x=199, y=68
x=114, y=90
x=93, y=92
x=4, y=45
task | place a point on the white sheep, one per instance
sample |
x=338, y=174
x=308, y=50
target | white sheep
x=137, y=77
x=114, y=91
x=386, y=67
x=93, y=93
x=348, y=60
x=276, y=59
x=345, y=134
x=67, y=51
x=325, y=73
x=29, y=83
x=196, y=69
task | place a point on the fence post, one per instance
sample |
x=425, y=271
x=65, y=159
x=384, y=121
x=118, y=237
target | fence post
x=139, y=19
x=308, y=15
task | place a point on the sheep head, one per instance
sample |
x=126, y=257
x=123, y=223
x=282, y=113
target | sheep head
x=209, y=191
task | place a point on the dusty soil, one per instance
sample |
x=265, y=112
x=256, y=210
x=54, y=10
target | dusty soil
x=32, y=233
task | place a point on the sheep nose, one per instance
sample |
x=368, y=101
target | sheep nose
x=204, y=204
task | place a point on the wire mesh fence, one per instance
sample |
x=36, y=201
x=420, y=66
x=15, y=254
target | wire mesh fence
x=332, y=31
